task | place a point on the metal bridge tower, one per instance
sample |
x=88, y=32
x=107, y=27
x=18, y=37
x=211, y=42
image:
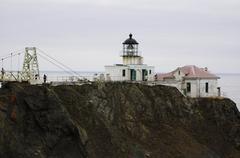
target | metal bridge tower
x=30, y=69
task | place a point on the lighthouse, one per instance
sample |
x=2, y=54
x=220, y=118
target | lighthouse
x=132, y=67
x=130, y=53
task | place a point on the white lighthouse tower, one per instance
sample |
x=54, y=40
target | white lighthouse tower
x=132, y=67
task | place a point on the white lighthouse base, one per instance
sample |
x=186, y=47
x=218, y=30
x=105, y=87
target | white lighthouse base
x=121, y=72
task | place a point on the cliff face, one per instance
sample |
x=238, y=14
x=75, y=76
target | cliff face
x=115, y=120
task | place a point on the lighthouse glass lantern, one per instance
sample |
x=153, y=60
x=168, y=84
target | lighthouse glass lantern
x=130, y=47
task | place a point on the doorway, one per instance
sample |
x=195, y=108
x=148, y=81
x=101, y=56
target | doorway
x=144, y=74
x=133, y=75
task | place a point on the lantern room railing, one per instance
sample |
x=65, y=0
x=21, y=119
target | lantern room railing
x=130, y=53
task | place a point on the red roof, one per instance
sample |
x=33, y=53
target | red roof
x=162, y=76
x=190, y=71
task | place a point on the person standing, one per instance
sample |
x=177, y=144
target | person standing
x=44, y=78
x=3, y=72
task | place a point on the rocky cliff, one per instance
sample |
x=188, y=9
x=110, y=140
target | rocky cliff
x=115, y=120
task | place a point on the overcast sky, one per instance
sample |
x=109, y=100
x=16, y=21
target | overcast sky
x=88, y=34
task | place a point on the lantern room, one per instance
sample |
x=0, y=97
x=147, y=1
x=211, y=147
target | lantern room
x=130, y=47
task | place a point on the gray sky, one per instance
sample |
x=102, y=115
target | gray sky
x=88, y=34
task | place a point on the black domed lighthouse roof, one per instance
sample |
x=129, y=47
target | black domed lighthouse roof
x=130, y=40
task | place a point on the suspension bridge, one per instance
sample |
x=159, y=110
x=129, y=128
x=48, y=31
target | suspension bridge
x=23, y=65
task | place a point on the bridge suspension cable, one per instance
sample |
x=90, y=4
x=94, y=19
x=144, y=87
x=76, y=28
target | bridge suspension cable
x=8, y=67
x=2, y=63
x=58, y=63
x=45, y=58
x=10, y=56
x=19, y=61
x=30, y=70
x=13, y=52
x=11, y=62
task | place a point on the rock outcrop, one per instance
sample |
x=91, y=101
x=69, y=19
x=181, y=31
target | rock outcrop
x=115, y=120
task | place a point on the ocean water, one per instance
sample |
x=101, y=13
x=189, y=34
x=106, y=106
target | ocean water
x=229, y=83
x=230, y=87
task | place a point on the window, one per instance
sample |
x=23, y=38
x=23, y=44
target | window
x=123, y=73
x=206, y=87
x=188, y=87
x=179, y=72
x=150, y=71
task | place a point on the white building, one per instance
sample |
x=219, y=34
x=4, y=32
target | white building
x=192, y=81
x=132, y=67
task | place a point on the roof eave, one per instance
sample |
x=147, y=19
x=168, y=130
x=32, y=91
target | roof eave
x=201, y=77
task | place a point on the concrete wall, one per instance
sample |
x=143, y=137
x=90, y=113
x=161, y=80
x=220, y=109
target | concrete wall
x=198, y=87
x=132, y=60
x=178, y=75
x=212, y=90
x=114, y=73
x=139, y=68
x=194, y=88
